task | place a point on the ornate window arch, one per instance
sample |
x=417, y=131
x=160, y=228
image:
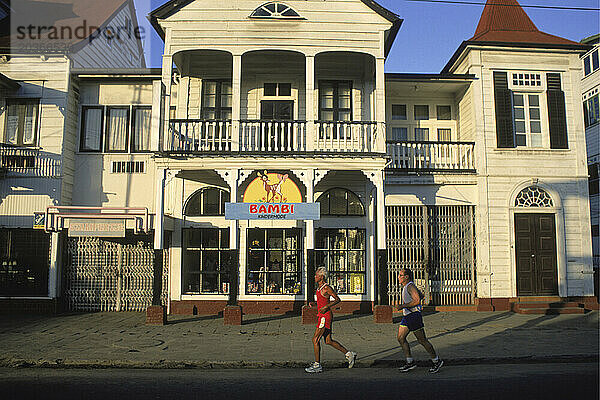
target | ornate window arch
x=275, y=9
x=209, y=201
x=533, y=196
x=341, y=202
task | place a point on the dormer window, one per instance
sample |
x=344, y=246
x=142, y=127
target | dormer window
x=275, y=10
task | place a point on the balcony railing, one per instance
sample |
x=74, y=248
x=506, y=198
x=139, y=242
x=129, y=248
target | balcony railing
x=28, y=161
x=342, y=136
x=266, y=136
x=198, y=135
x=272, y=136
x=431, y=156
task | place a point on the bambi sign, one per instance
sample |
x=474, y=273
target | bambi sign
x=277, y=211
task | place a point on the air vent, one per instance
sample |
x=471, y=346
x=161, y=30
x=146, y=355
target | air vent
x=128, y=167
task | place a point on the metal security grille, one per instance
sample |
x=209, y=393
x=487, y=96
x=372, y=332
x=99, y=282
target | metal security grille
x=437, y=243
x=102, y=275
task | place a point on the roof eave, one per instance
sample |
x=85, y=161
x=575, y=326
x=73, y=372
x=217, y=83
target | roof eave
x=576, y=47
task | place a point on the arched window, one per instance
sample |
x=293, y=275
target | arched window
x=533, y=196
x=340, y=201
x=274, y=9
x=206, y=202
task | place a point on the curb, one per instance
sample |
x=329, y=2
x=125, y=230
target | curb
x=162, y=364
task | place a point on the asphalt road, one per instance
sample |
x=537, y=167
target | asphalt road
x=522, y=381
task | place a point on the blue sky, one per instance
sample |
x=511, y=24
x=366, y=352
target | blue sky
x=431, y=32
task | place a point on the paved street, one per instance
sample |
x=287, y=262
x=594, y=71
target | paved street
x=123, y=340
x=490, y=382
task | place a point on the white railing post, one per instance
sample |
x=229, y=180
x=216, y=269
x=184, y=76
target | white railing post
x=236, y=101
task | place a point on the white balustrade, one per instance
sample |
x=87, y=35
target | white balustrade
x=438, y=156
x=199, y=136
x=272, y=136
x=342, y=136
x=29, y=161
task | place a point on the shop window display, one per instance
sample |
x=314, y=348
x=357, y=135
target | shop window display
x=342, y=252
x=273, y=261
x=206, y=260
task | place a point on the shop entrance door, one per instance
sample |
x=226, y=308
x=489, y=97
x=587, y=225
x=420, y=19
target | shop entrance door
x=535, y=245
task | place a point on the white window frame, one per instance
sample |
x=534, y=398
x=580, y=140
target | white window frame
x=543, y=119
x=520, y=88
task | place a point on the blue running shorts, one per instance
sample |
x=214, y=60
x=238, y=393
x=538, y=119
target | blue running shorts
x=413, y=321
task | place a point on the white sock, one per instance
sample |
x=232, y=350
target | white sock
x=409, y=360
x=436, y=359
x=349, y=353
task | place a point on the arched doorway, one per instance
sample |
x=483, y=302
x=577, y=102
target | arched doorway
x=535, y=243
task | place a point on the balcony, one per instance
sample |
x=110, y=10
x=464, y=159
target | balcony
x=19, y=161
x=409, y=156
x=270, y=136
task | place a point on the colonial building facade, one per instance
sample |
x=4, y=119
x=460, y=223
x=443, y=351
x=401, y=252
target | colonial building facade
x=278, y=145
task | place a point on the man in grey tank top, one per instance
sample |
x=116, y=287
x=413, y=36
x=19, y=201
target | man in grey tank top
x=413, y=322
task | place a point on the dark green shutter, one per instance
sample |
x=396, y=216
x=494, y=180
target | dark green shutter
x=557, y=115
x=504, y=122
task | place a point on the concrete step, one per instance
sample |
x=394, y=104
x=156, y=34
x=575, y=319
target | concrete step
x=533, y=299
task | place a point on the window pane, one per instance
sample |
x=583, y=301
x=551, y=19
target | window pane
x=421, y=112
x=141, y=129
x=324, y=201
x=587, y=67
x=536, y=140
x=211, y=202
x=210, y=238
x=355, y=207
x=445, y=135
x=356, y=239
x=520, y=126
x=534, y=113
x=321, y=239
x=29, y=124
x=92, y=130
x=400, y=134
x=337, y=202
x=256, y=238
x=116, y=136
x=344, y=102
x=398, y=111
x=536, y=127
x=519, y=113
x=285, y=89
x=12, y=124
x=327, y=115
x=344, y=116
x=534, y=100
x=595, y=61
x=270, y=89
x=518, y=100
x=275, y=239
x=521, y=140
x=344, y=89
x=444, y=112
x=356, y=261
x=338, y=239
x=421, y=134
x=210, y=264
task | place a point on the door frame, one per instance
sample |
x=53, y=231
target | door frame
x=559, y=221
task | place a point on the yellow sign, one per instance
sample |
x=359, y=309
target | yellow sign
x=271, y=187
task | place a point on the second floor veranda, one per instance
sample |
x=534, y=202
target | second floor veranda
x=281, y=102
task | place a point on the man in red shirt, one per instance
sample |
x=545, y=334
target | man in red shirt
x=324, y=317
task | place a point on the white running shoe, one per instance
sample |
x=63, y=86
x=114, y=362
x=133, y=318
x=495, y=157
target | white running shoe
x=313, y=368
x=351, y=357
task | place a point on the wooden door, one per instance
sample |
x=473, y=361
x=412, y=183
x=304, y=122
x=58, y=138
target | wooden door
x=535, y=240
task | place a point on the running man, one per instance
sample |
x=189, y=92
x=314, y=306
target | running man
x=324, y=317
x=413, y=322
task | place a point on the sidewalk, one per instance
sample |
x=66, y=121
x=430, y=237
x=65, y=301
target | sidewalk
x=123, y=340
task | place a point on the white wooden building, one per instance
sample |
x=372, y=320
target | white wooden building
x=475, y=178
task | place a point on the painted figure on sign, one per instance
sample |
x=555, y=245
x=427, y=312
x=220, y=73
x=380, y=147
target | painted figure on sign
x=272, y=189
